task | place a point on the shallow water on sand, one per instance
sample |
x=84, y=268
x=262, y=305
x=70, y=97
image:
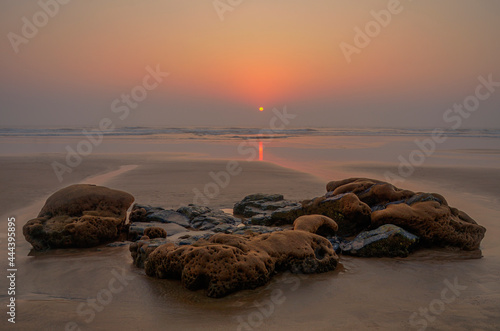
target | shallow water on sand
x=54, y=288
x=99, y=288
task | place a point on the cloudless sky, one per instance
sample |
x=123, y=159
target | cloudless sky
x=268, y=53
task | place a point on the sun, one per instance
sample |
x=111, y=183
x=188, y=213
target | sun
x=261, y=108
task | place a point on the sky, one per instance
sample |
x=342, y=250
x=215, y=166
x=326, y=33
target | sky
x=331, y=63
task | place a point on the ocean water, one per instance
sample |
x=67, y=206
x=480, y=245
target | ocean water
x=299, y=148
x=241, y=132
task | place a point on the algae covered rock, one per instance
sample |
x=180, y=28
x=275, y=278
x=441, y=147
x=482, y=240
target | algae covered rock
x=351, y=214
x=426, y=215
x=318, y=224
x=227, y=263
x=137, y=230
x=79, y=215
x=435, y=222
x=155, y=232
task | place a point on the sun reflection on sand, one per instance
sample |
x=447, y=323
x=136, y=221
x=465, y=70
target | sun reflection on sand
x=261, y=151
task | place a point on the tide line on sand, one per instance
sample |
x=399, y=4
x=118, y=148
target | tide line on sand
x=103, y=178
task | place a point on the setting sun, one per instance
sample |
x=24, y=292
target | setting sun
x=261, y=108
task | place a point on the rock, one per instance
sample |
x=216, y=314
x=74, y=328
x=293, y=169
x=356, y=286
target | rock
x=79, y=215
x=188, y=237
x=136, y=230
x=387, y=240
x=369, y=191
x=250, y=211
x=191, y=211
x=227, y=263
x=268, y=209
x=255, y=229
x=351, y=214
x=261, y=219
x=259, y=203
x=224, y=228
x=286, y=215
x=154, y=232
x=148, y=208
x=318, y=224
x=426, y=215
x=168, y=216
x=119, y=244
x=141, y=249
x=139, y=212
x=337, y=243
x=212, y=219
x=146, y=213
x=435, y=223
x=255, y=200
x=200, y=218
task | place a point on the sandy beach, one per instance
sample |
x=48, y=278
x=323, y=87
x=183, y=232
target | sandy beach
x=375, y=293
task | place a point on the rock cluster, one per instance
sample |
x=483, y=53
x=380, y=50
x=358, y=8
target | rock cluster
x=209, y=249
x=272, y=209
x=361, y=204
x=189, y=223
x=227, y=263
x=426, y=215
x=79, y=216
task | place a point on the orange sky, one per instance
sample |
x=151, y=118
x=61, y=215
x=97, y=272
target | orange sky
x=263, y=54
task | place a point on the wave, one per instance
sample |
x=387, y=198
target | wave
x=241, y=133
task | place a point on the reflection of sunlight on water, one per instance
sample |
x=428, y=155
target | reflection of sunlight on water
x=261, y=151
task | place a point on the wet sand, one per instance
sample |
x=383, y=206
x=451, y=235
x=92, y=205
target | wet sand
x=53, y=288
